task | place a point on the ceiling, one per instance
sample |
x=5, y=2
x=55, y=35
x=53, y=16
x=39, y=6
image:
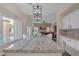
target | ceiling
x=49, y=10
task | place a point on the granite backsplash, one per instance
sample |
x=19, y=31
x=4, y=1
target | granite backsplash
x=71, y=33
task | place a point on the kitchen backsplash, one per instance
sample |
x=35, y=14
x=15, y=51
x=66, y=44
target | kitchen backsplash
x=71, y=33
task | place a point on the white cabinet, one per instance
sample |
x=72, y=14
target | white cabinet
x=65, y=23
x=70, y=45
x=74, y=17
x=71, y=21
x=62, y=42
x=77, y=47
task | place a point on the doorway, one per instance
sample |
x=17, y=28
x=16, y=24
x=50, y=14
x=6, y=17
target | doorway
x=8, y=30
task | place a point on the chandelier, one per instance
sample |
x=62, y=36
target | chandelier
x=37, y=13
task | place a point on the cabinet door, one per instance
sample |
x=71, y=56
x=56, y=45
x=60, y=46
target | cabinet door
x=74, y=19
x=77, y=47
x=65, y=23
x=75, y=23
x=69, y=45
x=62, y=42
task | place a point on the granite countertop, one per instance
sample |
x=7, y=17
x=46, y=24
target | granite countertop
x=71, y=33
x=41, y=44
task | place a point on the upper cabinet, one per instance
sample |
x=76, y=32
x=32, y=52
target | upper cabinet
x=75, y=19
x=66, y=23
x=71, y=21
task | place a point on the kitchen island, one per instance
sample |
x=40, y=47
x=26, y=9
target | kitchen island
x=41, y=45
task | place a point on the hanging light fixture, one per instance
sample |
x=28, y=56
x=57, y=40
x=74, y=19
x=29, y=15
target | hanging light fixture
x=37, y=13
